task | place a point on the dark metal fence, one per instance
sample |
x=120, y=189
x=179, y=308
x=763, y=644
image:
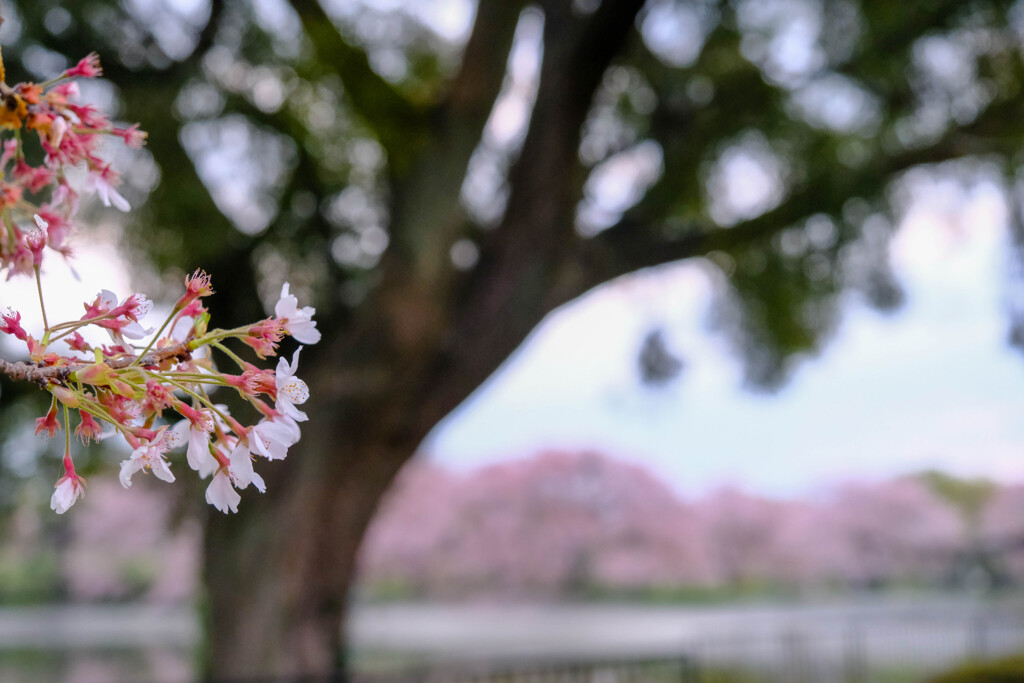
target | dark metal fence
x=909, y=651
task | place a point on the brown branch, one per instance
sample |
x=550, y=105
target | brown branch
x=393, y=116
x=29, y=371
x=640, y=241
x=520, y=275
x=427, y=215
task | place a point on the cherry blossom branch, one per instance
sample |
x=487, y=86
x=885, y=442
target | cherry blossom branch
x=30, y=371
x=157, y=398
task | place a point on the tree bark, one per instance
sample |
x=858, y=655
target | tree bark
x=289, y=558
x=422, y=342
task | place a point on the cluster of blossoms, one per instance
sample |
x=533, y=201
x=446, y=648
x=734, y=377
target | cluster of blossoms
x=134, y=389
x=69, y=135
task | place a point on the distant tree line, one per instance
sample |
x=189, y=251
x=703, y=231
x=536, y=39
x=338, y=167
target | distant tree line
x=561, y=525
x=581, y=524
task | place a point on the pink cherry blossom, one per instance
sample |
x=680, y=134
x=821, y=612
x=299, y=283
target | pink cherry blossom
x=102, y=182
x=87, y=67
x=221, y=494
x=272, y=438
x=68, y=489
x=298, y=321
x=290, y=389
x=124, y=317
x=198, y=437
x=10, y=323
x=241, y=471
x=151, y=455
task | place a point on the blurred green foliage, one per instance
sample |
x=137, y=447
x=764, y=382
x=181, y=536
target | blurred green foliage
x=968, y=495
x=1008, y=670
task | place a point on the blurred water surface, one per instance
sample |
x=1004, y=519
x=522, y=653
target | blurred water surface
x=835, y=640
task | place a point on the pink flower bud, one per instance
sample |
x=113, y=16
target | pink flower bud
x=88, y=67
x=48, y=423
x=132, y=136
x=262, y=347
x=10, y=323
x=196, y=285
x=68, y=488
x=88, y=428
x=77, y=342
x=64, y=395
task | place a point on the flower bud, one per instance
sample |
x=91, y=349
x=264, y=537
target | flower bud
x=64, y=395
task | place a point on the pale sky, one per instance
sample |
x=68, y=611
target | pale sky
x=932, y=385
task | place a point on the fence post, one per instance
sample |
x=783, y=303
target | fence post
x=793, y=670
x=688, y=670
x=979, y=637
x=855, y=663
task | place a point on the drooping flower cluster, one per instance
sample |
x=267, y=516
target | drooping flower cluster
x=128, y=388
x=138, y=390
x=69, y=135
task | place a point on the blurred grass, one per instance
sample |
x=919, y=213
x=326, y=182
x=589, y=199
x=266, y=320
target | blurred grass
x=1007, y=670
x=28, y=579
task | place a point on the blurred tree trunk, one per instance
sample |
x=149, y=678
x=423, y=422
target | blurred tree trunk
x=278, y=576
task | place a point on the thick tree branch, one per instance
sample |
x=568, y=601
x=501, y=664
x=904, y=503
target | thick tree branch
x=395, y=119
x=520, y=277
x=482, y=70
x=633, y=244
x=428, y=215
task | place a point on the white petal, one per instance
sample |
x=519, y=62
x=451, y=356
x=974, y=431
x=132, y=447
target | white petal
x=221, y=494
x=304, y=332
x=285, y=407
x=271, y=440
x=161, y=469
x=117, y=200
x=134, y=330
x=181, y=432
x=107, y=299
x=173, y=437
x=287, y=305
x=241, y=466
x=294, y=433
x=64, y=496
x=128, y=468
x=198, y=454
x=295, y=390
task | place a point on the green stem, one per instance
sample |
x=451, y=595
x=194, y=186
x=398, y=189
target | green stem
x=75, y=324
x=98, y=410
x=216, y=335
x=153, y=340
x=42, y=307
x=67, y=430
x=195, y=377
x=229, y=353
x=197, y=396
